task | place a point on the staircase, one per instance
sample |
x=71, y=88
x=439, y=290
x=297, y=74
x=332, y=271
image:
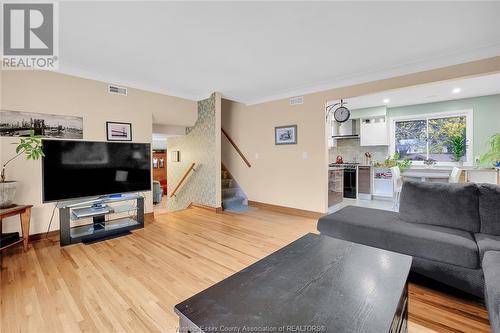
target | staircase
x=233, y=197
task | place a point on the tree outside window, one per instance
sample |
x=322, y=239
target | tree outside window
x=411, y=139
x=432, y=139
x=441, y=133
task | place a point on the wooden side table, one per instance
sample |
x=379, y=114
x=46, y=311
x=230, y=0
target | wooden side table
x=25, y=214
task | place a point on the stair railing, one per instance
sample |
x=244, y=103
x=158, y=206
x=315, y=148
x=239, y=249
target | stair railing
x=188, y=171
x=236, y=147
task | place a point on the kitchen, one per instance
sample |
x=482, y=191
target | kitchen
x=350, y=165
x=364, y=132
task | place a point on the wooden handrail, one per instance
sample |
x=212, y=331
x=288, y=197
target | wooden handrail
x=191, y=168
x=236, y=147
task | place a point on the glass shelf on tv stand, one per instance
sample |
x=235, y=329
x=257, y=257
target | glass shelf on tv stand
x=85, y=202
x=118, y=209
x=96, y=228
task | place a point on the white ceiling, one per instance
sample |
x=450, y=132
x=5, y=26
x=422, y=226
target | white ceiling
x=259, y=51
x=436, y=92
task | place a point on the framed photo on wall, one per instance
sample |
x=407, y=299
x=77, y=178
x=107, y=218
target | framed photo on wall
x=118, y=131
x=175, y=156
x=285, y=135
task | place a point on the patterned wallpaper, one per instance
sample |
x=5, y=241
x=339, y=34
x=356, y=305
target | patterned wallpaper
x=198, y=146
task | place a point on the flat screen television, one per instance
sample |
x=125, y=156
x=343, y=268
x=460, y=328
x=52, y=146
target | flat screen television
x=78, y=169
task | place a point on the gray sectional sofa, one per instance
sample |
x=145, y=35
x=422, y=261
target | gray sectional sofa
x=451, y=230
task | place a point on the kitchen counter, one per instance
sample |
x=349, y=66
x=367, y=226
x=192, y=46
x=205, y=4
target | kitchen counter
x=478, y=169
x=425, y=174
x=469, y=174
x=356, y=181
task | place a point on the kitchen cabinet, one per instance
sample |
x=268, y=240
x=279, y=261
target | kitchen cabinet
x=335, y=186
x=364, y=182
x=374, y=132
x=382, y=183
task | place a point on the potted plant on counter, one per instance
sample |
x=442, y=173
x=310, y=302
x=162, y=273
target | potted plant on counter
x=394, y=161
x=31, y=148
x=493, y=156
x=457, y=145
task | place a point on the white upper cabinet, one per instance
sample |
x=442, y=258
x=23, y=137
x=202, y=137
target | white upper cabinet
x=374, y=131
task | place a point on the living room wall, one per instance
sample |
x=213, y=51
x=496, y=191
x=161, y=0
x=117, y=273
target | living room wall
x=54, y=93
x=200, y=145
x=296, y=175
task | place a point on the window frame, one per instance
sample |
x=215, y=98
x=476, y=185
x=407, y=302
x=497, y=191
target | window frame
x=468, y=114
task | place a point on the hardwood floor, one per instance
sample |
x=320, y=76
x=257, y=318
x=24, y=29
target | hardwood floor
x=131, y=284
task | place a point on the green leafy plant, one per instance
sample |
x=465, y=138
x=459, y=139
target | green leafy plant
x=394, y=161
x=30, y=147
x=493, y=156
x=458, y=145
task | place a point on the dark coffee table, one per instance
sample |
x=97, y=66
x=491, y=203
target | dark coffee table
x=315, y=284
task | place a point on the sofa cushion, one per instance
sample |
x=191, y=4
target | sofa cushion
x=383, y=229
x=491, y=270
x=489, y=208
x=443, y=204
x=486, y=242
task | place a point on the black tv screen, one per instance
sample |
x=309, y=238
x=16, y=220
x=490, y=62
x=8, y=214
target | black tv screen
x=76, y=169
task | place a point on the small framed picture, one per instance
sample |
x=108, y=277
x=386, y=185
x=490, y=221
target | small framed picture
x=285, y=135
x=119, y=131
x=175, y=156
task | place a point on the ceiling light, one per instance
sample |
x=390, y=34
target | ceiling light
x=386, y=100
x=456, y=90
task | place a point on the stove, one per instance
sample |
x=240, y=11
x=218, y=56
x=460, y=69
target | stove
x=347, y=165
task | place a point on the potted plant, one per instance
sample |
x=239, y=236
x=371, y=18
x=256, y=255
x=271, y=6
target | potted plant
x=457, y=145
x=429, y=162
x=394, y=161
x=493, y=156
x=31, y=148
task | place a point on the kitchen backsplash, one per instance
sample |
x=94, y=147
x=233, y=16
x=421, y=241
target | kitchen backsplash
x=351, y=151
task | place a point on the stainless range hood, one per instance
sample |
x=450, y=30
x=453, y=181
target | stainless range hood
x=346, y=130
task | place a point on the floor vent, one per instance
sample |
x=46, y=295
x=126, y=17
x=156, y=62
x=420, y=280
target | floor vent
x=297, y=100
x=117, y=90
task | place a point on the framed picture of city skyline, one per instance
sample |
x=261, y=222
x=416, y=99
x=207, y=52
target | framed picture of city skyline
x=18, y=123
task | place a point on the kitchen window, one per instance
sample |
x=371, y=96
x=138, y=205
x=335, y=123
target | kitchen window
x=428, y=136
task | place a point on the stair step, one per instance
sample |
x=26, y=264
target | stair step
x=232, y=201
x=227, y=183
x=240, y=209
x=229, y=192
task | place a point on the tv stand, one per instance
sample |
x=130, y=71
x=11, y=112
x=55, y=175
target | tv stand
x=111, y=216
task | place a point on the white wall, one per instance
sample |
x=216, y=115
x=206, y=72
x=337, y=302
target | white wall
x=53, y=93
